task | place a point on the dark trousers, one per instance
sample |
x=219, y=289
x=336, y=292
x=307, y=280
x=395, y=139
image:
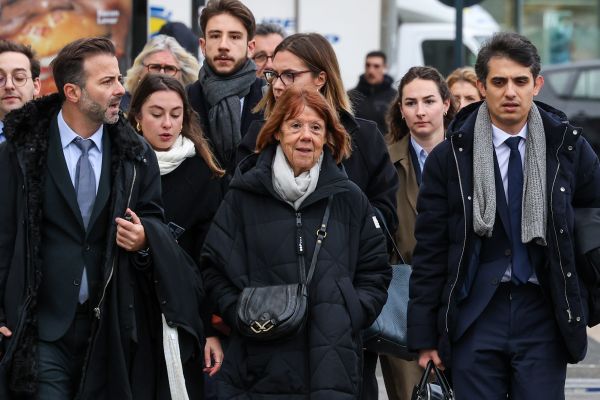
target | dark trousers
x=370, y=389
x=513, y=350
x=61, y=362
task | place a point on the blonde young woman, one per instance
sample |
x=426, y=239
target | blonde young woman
x=417, y=120
x=463, y=86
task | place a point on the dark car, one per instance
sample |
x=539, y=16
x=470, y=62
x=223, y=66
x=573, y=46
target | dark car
x=575, y=89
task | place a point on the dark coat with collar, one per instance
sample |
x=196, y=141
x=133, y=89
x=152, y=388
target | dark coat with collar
x=125, y=359
x=252, y=242
x=373, y=101
x=446, y=240
x=369, y=166
x=197, y=99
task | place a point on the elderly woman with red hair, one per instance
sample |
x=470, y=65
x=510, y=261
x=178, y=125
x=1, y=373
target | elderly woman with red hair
x=265, y=228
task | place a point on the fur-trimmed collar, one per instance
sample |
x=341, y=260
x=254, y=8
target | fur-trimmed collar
x=29, y=126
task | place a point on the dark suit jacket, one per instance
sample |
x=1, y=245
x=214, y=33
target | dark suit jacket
x=66, y=246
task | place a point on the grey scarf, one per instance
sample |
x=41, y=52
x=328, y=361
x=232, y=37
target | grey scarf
x=293, y=189
x=223, y=94
x=534, y=212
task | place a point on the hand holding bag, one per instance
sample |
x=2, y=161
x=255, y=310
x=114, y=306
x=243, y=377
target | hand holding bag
x=272, y=312
x=426, y=390
x=388, y=334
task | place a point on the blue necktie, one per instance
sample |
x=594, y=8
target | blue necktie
x=521, y=267
x=85, y=187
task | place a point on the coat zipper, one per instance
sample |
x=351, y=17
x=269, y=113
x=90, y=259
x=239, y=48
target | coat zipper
x=569, y=314
x=112, y=265
x=462, y=252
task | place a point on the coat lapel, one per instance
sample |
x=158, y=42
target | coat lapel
x=399, y=154
x=104, y=185
x=57, y=167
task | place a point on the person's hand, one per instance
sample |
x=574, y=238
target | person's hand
x=430, y=354
x=212, y=352
x=130, y=235
x=4, y=331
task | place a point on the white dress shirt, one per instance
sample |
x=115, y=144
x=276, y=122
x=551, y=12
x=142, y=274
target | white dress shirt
x=420, y=151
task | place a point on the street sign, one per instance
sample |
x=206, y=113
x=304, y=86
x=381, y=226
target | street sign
x=465, y=3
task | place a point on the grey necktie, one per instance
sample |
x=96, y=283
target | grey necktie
x=85, y=187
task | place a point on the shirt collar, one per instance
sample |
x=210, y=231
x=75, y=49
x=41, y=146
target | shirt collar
x=67, y=135
x=499, y=136
x=418, y=149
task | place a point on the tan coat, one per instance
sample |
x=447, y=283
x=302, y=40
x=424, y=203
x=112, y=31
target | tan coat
x=406, y=197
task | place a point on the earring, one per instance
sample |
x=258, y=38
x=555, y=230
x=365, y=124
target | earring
x=403, y=118
x=138, y=127
x=445, y=113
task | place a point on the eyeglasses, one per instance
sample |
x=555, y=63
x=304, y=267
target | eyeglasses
x=18, y=80
x=262, y=57
x=166, y=69
x=287, y=78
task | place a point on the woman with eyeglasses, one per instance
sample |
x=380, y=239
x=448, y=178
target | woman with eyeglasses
x=307, y=60
x=192, y=190
x=161, y=55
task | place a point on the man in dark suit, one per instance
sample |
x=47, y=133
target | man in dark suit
x=73, y=174
x=227, y=88
x=496, y=292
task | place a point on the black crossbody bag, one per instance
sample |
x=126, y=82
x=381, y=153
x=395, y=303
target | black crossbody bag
x=272, y=312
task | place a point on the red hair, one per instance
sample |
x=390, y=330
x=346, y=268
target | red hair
x=291, y=104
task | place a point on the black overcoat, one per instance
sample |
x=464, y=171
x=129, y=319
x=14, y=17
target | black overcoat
x=125, y=358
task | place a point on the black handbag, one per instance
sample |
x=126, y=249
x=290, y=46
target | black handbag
x=271, y=312
x=387, y=335
x=426, y=390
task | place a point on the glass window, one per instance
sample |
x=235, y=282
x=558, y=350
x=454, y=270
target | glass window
x=559, y=81
x=588, y=84
x=440, y=54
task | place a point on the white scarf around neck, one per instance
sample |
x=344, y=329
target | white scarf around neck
x=293, y=189
x=169, y=160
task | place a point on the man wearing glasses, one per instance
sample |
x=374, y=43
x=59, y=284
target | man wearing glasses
x=227, y=88
x=19, y=78
x=267, y=37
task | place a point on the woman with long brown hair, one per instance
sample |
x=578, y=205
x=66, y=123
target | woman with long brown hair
x=191, y=186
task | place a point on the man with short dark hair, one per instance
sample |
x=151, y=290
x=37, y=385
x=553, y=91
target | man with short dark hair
x=372, y=96
x=267, y=37
x=19, y=78
x=227, y=88
x=497, y=293
x=82, y=241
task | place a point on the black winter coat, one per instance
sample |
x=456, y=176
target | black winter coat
x=445, y=236
x=252, y=242
x=373, y=101
x=191, y=195
x=125, y=358
x=195, y=93
x=369, y=166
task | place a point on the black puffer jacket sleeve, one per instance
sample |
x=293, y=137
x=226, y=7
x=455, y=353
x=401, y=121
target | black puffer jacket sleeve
x=8, y=220
x=373, y=272
x=223, y=240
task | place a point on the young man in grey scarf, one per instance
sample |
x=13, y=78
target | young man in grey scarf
x=496, y=238
x=227, y=88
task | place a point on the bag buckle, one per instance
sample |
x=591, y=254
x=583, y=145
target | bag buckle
x=266, y=326
x=321, y=233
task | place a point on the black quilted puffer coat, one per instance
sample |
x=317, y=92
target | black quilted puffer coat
x=252, y=242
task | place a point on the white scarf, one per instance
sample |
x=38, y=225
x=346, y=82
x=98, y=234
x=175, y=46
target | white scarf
x=172, y=158
x=293, y=189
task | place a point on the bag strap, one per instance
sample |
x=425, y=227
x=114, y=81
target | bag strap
x=380, y=215
x=321, y=234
